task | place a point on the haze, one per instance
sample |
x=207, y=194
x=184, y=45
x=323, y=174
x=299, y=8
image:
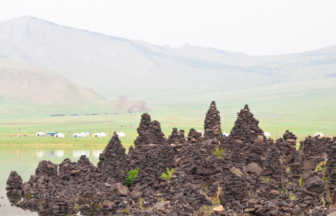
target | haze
x=251, y=27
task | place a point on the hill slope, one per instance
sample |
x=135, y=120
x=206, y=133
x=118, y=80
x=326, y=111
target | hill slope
x=26, y=89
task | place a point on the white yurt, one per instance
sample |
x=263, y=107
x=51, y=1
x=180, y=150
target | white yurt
x=77, y=135
x=60, y=135
x=102, y=134
x=96, y=135
x=225, y=134
x=267, y=134
x=121, y=134
x=319, y=133
x=40, y=134
x=83, y=134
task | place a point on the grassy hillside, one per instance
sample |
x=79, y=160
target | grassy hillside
x=120, y=67
x=28, y=90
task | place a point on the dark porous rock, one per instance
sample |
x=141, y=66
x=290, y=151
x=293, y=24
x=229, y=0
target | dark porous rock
x=246, y=130
x=194, y=137
x=315, y=184
x=331, y=164
x=14, y=181
x=113, y=161
x=149, y=132
x=212, y=127
x=253, y=168
x=235, y=190
x=176, y=140
x=287, y=145
x=46, y=168
x=273, y=166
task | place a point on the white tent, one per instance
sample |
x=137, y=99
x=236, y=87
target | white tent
x=96, y=135
x=121, y=134
x=39, y=134
x=77, y=135
x=267, y=134
x=319, y=133
x=102, y=134
x=225, y=134
x=60, y=135
x=83, y=134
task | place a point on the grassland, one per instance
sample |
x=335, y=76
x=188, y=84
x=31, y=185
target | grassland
x=301, y=107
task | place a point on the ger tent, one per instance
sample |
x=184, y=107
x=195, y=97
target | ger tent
x=102, y=134
x=60, y=135
x=39, y=134
x=121, y=134
x=319, y=134
x=225, y=134
x=267, y=134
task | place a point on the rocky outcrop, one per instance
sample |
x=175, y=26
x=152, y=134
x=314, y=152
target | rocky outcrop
x=14, y=181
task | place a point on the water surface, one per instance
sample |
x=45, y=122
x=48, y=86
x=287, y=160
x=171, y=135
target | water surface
x=24, y=160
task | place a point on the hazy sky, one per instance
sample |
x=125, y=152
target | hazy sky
x=249, y=26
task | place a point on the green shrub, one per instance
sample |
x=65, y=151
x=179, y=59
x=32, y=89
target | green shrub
x=28, y=196
x=168, y=174
x=131, y=175
x=218, y=152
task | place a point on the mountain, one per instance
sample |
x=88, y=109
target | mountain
x=166, y=78
x=26, y=89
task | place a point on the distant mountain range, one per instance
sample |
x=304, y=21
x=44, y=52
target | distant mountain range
x=115, y=67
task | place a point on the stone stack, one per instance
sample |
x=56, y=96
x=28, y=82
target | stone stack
x=152, y=164
x=212, y=124
x=246, y=127
x=310, y=196
x=14, y=181
x=184, y=187
x=256, y=154
x=331, y=165
x=238, y=153
x=313, y=148
x=287, y=146
x=79, y=172
x=176, y=140
x=149, y=132
x=194, y=137
x=46, y=168
x=113, y=161
x=273, y=167
x=235, y=190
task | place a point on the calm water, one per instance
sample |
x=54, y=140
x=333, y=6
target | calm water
x=24, y=160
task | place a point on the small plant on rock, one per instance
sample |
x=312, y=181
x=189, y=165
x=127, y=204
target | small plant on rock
x=124, y=211
x=300, y=181
x=291, y=197
x=28, y=196
x=266, y=179
x=131, y=175
x=77, y=207
x=218, y=152
x=168, y=174
x=141, y=202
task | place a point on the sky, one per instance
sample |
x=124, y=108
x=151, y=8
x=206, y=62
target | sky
x=254, y=27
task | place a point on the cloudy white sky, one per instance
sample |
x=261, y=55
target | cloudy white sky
x=255, y=27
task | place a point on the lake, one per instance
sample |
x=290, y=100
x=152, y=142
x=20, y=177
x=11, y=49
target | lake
x=24, y=160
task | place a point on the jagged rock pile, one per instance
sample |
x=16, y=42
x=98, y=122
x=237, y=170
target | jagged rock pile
x=246, y=127
x=331, y=165
x=185, y=187
x=176, y=140
x=46, y=168
x=113, y=161
x=234, y=191
x=313, y=147
x=14, y=181
x=212, y=126
x=238, y=153
x=149, y=132
x=153, y=164
x=194, y=137
x=256, y=153
x=79, y=172
x=310, y=196
x=273, y=166
x=287, y=145
x=197, y=161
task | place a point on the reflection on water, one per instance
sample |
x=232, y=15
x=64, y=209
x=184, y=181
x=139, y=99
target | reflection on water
x=24, y=160
x=78, y=153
